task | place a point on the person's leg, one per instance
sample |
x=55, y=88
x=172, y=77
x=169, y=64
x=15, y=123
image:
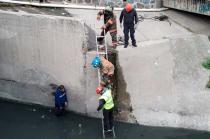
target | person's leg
x=101, y=39
x=111, y=119
x=57, y=111
x=106, y=119
x=114, y=39
x=132, y=31
x=63, y=109
x=126, y=31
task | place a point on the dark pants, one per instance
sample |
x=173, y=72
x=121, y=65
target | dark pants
x=129, y=28
x=113, y=36
x=59, y=110
x=108, y=119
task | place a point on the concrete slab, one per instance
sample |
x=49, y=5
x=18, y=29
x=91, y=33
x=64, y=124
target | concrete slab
x=166, y=82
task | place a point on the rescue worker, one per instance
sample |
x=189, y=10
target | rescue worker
x=61, y=101
x=110, y=24
x=106, y=68
x=107, y=105
x=130, y=20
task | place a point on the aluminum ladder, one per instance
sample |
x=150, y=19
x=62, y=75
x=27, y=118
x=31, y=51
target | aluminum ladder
x=99, y=53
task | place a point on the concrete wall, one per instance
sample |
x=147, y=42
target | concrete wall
x=195, y=6
x=166, y=82
x=36, y=50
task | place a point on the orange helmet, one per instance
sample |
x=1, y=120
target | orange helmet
x=128, y=7
x=98, y=89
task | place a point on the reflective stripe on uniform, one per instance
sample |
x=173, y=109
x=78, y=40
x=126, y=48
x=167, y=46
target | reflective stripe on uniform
x=107, y=96
x=112, y=30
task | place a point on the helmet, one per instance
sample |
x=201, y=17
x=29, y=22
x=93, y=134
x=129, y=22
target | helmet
x=98, y=89
x=108, y=8
x=128, y=7
x=96, y=62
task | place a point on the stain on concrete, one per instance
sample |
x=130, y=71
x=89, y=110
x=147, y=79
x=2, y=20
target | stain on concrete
x=122, y=99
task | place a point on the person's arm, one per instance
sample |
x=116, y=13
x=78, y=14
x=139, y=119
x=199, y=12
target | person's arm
x=121, y=16
x=136, y=17
x=100, y=13
x=110, y=22
x=101, y=104
x=65, y=99
x=57, y=99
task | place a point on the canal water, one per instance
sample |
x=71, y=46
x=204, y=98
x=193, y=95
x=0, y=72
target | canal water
x=19, y=121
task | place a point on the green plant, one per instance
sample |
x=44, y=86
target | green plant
x=208, y=85
x=206, y=64
x=209, y=37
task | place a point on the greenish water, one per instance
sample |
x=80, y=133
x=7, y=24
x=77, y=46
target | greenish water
x=18, y=121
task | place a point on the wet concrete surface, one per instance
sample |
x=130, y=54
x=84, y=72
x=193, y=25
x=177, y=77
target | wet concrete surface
x=33, y=122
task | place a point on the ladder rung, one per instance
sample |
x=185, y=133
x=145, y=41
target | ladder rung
x=100, y=36
x=100, y=45
x=102, y=53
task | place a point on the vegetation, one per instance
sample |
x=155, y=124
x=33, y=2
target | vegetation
x=208, y=85
x=206, y=64
x=209, y=37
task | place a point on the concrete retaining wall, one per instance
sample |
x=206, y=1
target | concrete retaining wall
x=36, y=50
x=166, y=82
x=198, y=6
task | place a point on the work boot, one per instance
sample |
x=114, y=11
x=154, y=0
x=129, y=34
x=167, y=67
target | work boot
x=135, y=45
x=125, y=46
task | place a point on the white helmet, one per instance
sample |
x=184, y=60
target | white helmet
x=108, y=8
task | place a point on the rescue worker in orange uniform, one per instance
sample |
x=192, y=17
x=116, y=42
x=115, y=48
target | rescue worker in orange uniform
x=110, y=24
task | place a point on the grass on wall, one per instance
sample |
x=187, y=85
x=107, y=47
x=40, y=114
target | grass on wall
x=208, y=85
x=206, y=64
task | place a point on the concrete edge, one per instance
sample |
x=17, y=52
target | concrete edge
x=42, y=15
x=74, y=6
x=186, y=10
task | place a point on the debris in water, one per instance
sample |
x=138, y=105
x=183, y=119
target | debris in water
x=156, y=64
x=80, y=129
x=34, y=110
x=43, y=116
x=63, y=13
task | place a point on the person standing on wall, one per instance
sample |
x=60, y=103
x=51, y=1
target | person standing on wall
x=61, y=101
x=130, y=20
x=110, y=24
x=107, y=105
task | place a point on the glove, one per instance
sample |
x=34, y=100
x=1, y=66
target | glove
x=135, y=26
x=98, y=17
x=120, y=25
x=103, y=27
x=66, y=104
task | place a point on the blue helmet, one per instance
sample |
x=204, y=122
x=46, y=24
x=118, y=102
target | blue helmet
x=96, y=62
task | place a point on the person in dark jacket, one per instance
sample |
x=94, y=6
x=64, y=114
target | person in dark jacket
x=110, y=24
x=61, y=101
x=130, y=20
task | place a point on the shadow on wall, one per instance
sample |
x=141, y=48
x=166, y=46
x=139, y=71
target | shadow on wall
x=123, y=108
x=91, y=37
